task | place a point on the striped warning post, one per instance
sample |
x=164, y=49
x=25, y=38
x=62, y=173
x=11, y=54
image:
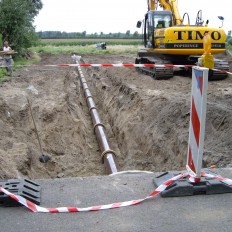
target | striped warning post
x=197, y=121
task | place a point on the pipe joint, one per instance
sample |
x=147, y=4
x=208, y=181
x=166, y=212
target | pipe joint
x=98, y=124
x=106, y=153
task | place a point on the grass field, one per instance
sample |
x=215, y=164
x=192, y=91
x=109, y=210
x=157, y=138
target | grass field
x=87, y=46
x=85, y=42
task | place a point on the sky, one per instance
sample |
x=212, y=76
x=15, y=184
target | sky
x=120, y=15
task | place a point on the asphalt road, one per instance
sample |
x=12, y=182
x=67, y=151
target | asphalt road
x=206, y=213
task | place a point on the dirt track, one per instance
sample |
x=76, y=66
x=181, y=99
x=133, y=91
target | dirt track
x=146, y=120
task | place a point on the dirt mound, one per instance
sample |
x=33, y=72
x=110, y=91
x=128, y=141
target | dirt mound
x=146, y=121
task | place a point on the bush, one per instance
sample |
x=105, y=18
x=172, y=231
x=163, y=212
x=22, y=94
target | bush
x=229, y=41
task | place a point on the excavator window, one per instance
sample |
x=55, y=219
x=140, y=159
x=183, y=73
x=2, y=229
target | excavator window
x=162, y=21
x=160, y=24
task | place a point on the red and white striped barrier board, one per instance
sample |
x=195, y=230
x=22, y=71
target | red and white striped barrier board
x=35, y=208
x=197, y=121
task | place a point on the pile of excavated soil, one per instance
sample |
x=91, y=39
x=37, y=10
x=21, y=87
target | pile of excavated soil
x=146, y=120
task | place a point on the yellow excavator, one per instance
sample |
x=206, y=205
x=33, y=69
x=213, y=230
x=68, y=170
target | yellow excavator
x=169, y=39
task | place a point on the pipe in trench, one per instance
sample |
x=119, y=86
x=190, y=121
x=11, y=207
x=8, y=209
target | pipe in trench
x=108, y=155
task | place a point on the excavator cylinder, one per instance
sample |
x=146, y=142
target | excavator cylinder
x=151, y=5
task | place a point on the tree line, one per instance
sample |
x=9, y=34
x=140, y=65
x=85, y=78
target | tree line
x=16, y=22
x=85, y=35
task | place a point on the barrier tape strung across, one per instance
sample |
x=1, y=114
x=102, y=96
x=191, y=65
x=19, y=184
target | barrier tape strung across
x=220, y=178
x=128, y=66
x=222, y=71
x=121, y=65
x=35, y=208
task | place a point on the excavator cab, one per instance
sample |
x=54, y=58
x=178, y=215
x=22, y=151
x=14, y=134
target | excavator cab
x=162, y=20
x=155, y=20
x=155, y=24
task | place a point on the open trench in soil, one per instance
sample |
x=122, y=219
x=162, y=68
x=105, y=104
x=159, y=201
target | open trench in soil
x=146, y=120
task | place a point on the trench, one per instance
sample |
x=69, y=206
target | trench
x=108, y=156
x=146, y=121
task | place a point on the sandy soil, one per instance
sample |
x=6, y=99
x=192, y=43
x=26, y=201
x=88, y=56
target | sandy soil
x=146, y=120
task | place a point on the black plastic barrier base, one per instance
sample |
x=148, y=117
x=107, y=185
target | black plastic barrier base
x=184, y=187
x=22, y=187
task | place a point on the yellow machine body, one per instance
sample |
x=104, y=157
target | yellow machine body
x=187, y=40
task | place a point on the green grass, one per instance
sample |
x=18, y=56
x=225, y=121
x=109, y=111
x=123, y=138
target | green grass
x=3, y=75
x=34, y=58
x=87, y=46
x=87, y=42
x=90, y=49
x=228, y=47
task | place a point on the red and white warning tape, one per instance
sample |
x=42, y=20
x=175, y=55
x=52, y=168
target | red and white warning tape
x=35, y=208
x=220, y=178
x=128, y=66
x=121, y=65
x=222, y=71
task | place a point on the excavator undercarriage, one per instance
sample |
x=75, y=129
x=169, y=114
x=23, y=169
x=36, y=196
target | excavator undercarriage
x=156, y=73
x=221, y=67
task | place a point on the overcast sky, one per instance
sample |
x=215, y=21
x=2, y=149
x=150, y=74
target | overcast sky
x=119, y=15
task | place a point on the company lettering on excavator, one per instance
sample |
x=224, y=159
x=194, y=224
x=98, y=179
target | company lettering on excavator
x=168, y=40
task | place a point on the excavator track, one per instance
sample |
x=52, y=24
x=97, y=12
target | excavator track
x=221, y=67
x=156, y=73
